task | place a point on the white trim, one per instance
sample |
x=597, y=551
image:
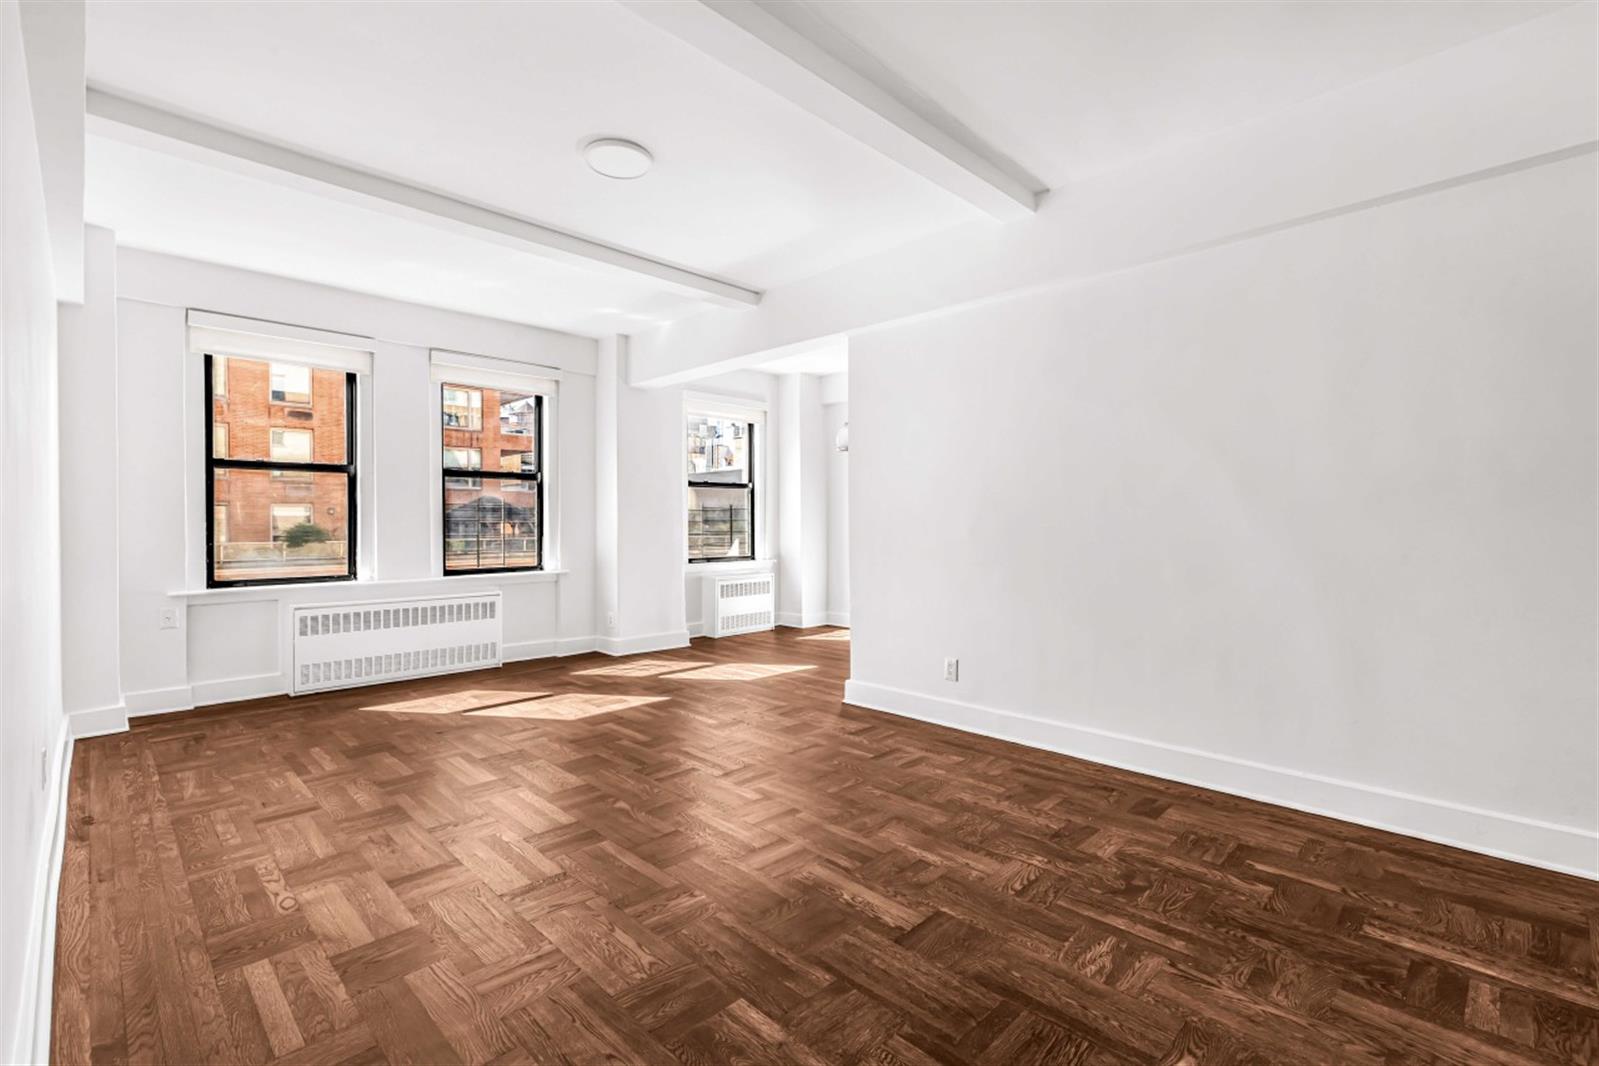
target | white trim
x=485, y=369
x=278, y=350
x=32, y=1043
x=696, y=630
x=576, y=646
x=724, y=405
x=729, y=569
x=442, y=371
x=838, y=618
x=674, y=638
x=1563, y=848
x=159, y=701
x=798, y=620
x=218, y=691
x=330, y=591
x=98, y=721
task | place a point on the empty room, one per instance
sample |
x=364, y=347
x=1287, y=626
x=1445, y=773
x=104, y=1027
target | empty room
x=859, y=532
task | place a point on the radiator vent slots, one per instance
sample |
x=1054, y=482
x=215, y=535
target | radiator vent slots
x=340, y=645
x=742, y=604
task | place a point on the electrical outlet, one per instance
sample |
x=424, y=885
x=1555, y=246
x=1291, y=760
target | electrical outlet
x=610, y=623
x=169, y=618
x=952, y=669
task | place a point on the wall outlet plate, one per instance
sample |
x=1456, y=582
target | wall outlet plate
x=169, y=618
x=952, y=669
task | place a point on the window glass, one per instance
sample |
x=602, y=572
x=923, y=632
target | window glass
x=291, y=445
x=267, y=523
x=490, y=524
x=719, y=524
x=718, y=449
x=272, y=528
x=262, y=397
x=290, y=383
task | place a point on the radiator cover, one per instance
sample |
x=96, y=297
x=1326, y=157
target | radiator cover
x=743, y=603
x=348, y=644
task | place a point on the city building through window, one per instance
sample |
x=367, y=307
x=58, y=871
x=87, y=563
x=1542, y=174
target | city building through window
x=280, y=472
x=721, y=489
x=493, y=479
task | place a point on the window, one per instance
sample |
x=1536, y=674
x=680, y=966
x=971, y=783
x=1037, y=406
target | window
x=721, y=489
x=291, y=384
x=291, y=445
x=280, y=477
x=287, y=516
x=493, y=480
x=463, y=408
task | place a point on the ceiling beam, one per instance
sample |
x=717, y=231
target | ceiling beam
x=801, y=58
x=142, y=124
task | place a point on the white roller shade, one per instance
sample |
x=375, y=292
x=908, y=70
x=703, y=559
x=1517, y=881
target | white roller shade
x=462, y=368
x=252, y=338
x=735, y=408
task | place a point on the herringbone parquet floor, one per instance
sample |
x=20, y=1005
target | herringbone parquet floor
x=703, y=857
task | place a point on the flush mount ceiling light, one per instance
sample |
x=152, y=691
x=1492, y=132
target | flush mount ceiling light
x=616, y=158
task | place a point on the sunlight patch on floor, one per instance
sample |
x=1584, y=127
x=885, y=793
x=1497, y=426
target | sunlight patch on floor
x=831, y=634
x=455, y=702
x=567, y=706
x=739, y=672
x=640, y=668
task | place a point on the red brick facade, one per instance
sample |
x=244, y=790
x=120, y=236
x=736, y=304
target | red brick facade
x=308, y=414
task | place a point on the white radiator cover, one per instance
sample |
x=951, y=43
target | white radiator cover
x=743, y=603
x=347, y=644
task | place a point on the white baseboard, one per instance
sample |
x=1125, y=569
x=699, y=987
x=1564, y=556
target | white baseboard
x=696, y=629
x=1564, y=848
x=676, y=638
x=795, y=620
x=527, y=649
x=39, y=953
x=98, y=721
x=576, y=646
x=259, y=686
x=159, y=701
x=838, y=618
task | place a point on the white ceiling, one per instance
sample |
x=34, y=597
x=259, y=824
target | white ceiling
x=1073, y=89
x=490, y=102
x=829, y=356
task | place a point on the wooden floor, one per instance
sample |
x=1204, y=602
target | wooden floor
x=703, y=857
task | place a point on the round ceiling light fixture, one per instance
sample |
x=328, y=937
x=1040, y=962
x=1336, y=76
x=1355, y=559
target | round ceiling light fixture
x=616, y=158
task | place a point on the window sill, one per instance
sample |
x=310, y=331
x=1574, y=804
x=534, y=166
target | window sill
x=343, y=591
x=740, y=566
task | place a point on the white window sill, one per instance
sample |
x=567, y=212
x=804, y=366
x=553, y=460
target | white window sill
x=340, y=591
x=737, y=566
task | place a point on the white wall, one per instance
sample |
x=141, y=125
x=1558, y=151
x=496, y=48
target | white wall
x=1309, y=516
x=837, y=518
x=32, y=728
x=91, y=684
x=231, y=645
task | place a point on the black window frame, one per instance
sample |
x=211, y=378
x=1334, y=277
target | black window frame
x=748, y=486
x=447, y=472
x=214, y=463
